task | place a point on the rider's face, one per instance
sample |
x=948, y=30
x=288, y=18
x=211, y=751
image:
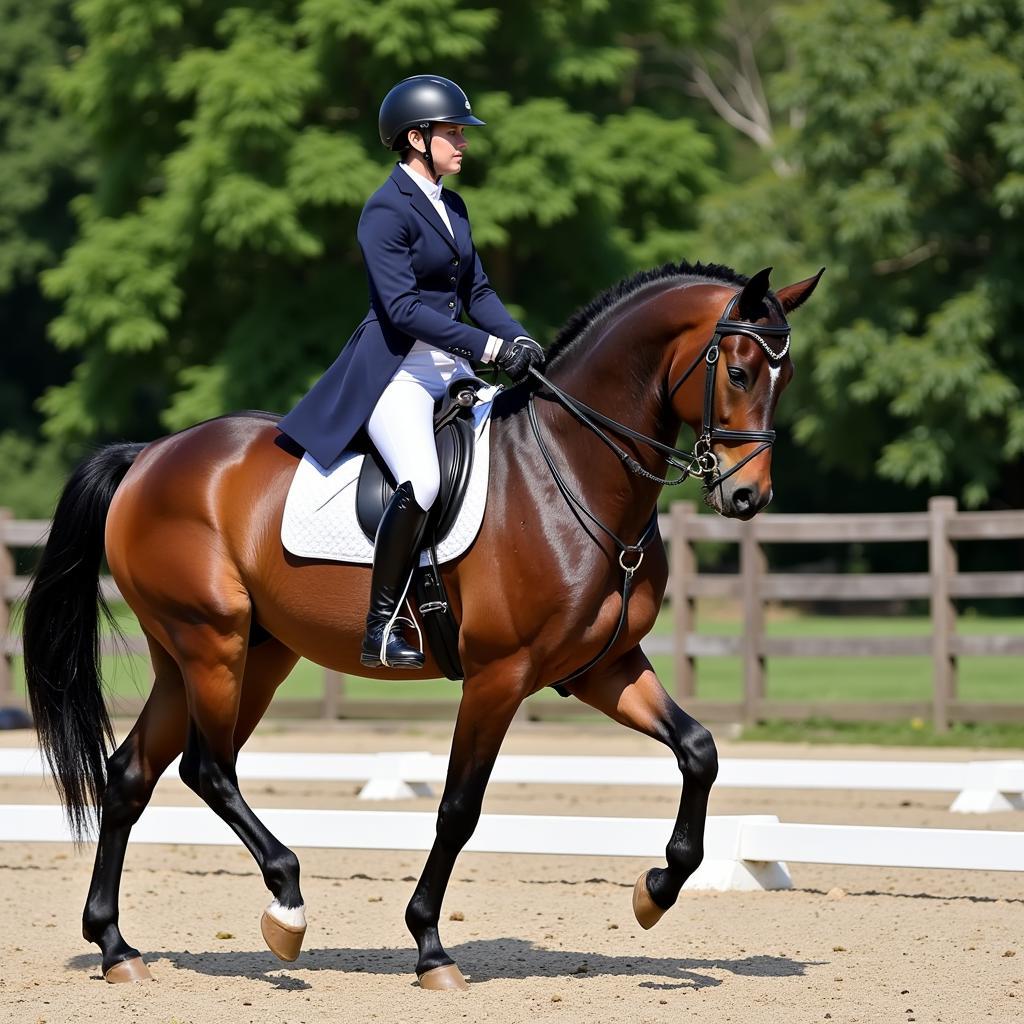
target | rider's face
x=447, y=145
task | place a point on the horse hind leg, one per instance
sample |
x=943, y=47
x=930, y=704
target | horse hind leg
x=629, y=692
x=212, y=655
x=132, y=772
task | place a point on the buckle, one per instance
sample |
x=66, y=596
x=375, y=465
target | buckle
x=433, y=606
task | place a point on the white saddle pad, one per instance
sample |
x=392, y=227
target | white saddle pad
x=320, y=510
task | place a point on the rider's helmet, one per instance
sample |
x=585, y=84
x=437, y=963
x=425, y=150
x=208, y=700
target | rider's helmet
x=417, y=102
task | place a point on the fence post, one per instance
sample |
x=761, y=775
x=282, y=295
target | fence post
x=334, y=694
x=6, y=574
x=752, y=567
x=942, y=567
x=683, y=564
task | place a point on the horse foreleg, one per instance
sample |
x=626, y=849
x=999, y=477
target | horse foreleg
x=489, y=702
x=629, y=692
x=132, y=772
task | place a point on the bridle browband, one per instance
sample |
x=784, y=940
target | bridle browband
x=701, y=460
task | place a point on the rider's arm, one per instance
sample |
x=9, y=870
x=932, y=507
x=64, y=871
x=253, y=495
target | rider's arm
x=384, y=238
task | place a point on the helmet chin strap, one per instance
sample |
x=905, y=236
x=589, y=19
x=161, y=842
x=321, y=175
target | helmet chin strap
x=427, y=131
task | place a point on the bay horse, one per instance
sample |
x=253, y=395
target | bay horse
x=190, y=526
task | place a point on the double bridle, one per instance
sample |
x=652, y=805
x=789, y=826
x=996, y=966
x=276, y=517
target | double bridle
x=701, y=460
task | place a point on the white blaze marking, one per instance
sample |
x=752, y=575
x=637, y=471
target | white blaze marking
x=774, y=372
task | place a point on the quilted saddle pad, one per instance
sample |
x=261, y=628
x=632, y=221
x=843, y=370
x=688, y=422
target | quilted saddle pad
x=320, y=510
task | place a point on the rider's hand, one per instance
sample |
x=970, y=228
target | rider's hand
x=517, y=356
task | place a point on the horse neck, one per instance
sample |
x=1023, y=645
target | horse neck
x=619, y=371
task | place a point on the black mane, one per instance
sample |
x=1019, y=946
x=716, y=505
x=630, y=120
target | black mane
x=578, y=323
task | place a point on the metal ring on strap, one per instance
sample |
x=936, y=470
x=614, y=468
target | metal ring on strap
x=630, y=569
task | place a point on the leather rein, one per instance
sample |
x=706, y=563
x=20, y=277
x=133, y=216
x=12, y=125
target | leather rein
x=701, y=460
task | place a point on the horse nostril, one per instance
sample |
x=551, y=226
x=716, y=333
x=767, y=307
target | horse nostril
x=743, y=499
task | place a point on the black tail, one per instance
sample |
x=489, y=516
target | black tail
x=62, y=637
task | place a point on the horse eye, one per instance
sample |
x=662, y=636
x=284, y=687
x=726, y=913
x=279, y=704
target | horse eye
x=738, y=377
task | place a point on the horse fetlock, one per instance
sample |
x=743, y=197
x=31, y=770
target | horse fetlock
x=421, y=917
x=112, y=945
x=99, y=920
x=663, y=886
x=432, y=957
x=281, y=875
x=684, y=857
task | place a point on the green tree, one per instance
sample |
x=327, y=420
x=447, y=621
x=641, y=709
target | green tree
x=217, y=266
x=900, y=165
x=43, y=163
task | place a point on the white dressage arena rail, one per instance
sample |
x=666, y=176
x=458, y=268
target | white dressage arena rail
x=981, y=786
x=741, y=852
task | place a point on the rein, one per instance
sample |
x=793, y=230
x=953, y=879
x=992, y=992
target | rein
x=701, y=460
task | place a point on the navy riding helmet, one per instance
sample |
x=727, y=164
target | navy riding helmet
x=417, y=102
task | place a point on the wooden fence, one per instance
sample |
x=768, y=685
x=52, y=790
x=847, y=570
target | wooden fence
x=941, y=527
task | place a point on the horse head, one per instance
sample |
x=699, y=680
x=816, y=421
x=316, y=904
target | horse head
x=731, y=406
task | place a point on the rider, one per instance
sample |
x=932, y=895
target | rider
x=424, y=271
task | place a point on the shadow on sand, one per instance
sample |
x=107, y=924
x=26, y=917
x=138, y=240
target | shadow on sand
x=481, y=960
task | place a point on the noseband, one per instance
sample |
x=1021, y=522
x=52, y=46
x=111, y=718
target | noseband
x=702, y=460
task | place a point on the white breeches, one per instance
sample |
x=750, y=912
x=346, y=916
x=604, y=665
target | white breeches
x=401, y=425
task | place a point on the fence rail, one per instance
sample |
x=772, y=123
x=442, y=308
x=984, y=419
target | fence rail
x=941, y=527
x=980, y=786
x=741, y=852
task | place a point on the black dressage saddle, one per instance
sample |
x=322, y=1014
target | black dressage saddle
x=455, y=439
x=456, y=442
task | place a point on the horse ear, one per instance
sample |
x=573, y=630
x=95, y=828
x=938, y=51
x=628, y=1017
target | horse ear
x=751, y=301
x=794, y=295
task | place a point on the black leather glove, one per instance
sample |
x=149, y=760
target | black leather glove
x=517, y=356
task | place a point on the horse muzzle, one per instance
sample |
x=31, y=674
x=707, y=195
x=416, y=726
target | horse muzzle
x=741, y=499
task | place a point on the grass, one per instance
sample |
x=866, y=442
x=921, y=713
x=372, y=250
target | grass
x=996, y=679
x=915, y=733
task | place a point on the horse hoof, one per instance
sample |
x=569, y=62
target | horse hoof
x=134, y=969
x=283, y=940
x=646, y=911
x=443, y=979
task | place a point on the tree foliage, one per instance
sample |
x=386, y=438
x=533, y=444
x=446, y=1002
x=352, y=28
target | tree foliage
x=43, y=162
x=905, y=175
x=216, y=265
x=215, y=159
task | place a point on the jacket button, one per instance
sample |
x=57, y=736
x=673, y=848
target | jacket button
x=455, y=262
x=453, y=279
x=451, y=305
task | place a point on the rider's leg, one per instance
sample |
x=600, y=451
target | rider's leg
x=402, y=429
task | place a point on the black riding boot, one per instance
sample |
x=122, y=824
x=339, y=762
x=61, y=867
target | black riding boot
x=395, y=547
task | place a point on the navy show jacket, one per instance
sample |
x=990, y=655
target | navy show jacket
x=421, y=281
